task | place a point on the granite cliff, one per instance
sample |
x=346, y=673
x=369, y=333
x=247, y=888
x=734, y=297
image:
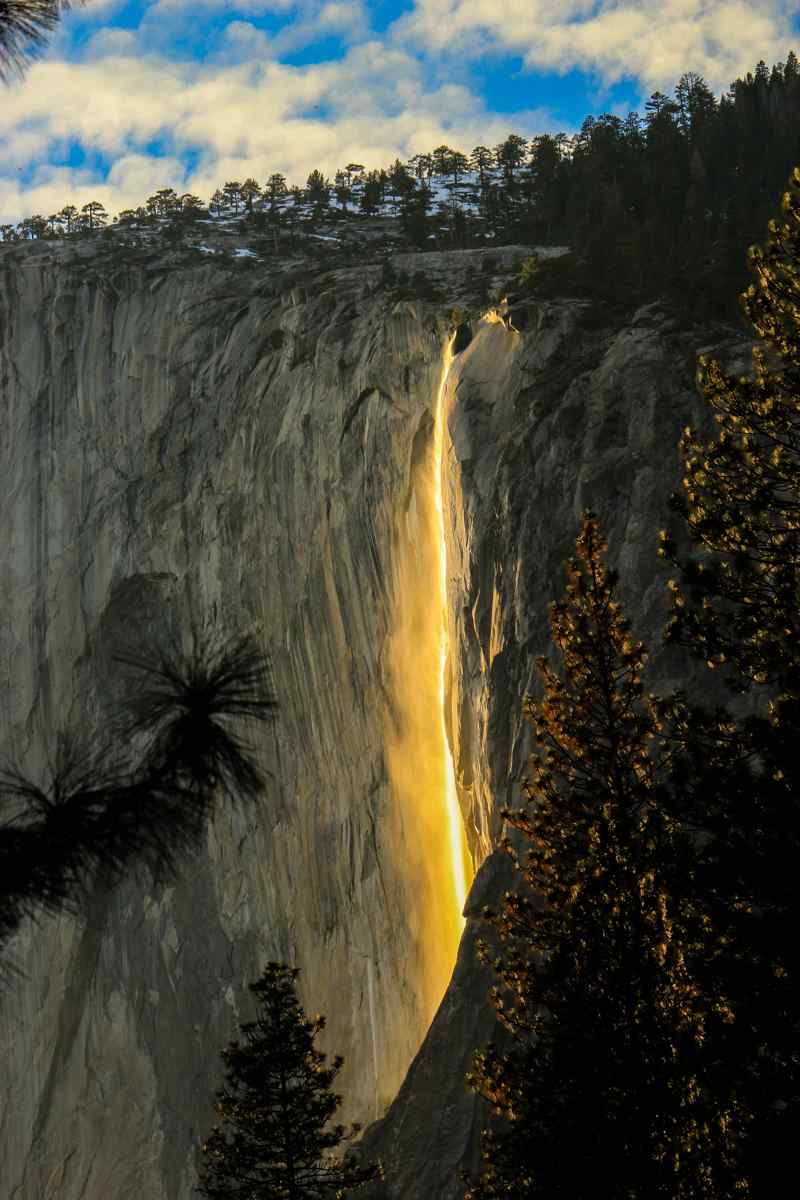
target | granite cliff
x=199, y=448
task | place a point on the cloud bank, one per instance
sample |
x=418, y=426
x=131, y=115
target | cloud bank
x=190, y=93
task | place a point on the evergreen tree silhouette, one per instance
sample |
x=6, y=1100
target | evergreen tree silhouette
x=604, y=1086
x=24, y=26
x=101, y=812
x=276, y=1107
x=741, y=783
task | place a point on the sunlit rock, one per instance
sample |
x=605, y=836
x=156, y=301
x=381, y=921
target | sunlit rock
x=189, y=448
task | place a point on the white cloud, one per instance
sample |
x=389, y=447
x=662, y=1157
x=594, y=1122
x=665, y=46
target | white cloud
x=244, y=112
x=252, y=8
x=245, y=119
x=345, y=19
x=654, y=40
x=95, y=9
x=109, y=42
x=137, y=176
x=242, y=43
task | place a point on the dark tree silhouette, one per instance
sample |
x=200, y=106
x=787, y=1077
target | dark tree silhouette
x=276, y=1108
x=101, y=812
x=24, y=26
x=606, y=1077
x=736, y=609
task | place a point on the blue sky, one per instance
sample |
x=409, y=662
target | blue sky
x=133, y=95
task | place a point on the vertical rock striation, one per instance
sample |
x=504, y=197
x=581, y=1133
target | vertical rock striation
x=194, y=450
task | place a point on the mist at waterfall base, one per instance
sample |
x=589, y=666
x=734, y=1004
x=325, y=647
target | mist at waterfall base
x=418, y=757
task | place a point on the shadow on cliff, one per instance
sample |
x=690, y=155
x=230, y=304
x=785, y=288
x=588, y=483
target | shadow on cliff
x=431, y=1131
x=62, y=842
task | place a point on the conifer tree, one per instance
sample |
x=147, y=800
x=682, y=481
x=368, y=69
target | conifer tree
x=95, y=214
x=372, y=191
x=100, y=813
x=318, y=189
x=605, y=1078
x=24, y=26
x=276, y=191
x=232, y=191
x=353, y=173
x=250, y=191
x=482, y=161
x=423, y=166
x=695, y=102
x=441, y=160
x=742, y=786
x=190, y=206
x=166, y=202
x=414, y=215
x=510, y=155
x=276, y=1108
x=342, y=189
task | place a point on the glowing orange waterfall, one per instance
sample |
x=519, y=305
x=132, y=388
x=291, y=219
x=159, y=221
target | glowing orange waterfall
x=419, y=760
x=455, y=826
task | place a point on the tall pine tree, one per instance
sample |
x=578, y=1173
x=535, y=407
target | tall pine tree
x=277, y=1104
x=605, y=1075
x=742, y=778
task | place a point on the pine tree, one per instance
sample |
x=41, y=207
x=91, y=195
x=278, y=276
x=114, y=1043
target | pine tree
x=606, y=1078
x=542, y=183
x=354, y=173
x=166, y=202
x=101, y=813
x=414, y=215
x=441, y=160
x=372, y=192
x=482, y=161
x=276, y=1106
x=656, y=105
x=342, y=189
x=232, y=191
x=695, y=102
x=457, y=167
x=401, y=184
x=24, y=26
x=318, y=190
x=276, y=191
x=276, y=195
x=191, y=206
x=250, y=191
x=94, y=213
x=742, y=508
x=510, y=155
x=422, y=166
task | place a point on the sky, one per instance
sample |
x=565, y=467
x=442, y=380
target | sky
x=133, y=95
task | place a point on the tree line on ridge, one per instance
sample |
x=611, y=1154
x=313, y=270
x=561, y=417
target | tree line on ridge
x=664, y=203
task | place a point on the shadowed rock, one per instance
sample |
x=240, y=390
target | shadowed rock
x=244, y=459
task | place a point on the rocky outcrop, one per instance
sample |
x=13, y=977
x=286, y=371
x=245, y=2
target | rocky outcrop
x=192, y=450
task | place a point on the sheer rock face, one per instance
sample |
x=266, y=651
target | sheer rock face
x=572, y=414
x=198, y=452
